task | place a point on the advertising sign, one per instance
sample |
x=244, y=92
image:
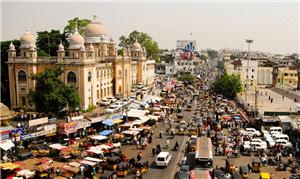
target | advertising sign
x=49, y=129
x=39, y=121
x=187, y=45
x=70, y=127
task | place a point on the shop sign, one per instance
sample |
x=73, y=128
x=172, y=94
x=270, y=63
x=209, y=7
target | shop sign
x=49, y=129
x=16, y=134
x=4, y=135
x=39, y=121
x=33, y=135
x=70, y=127
x=76, y=118
x=83, y=124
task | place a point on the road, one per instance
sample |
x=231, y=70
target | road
x=161, y=173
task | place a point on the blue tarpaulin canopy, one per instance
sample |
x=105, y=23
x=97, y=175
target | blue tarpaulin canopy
x=108, y=122
x=105, y=132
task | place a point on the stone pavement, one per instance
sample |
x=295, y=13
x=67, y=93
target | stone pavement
x=279, y=103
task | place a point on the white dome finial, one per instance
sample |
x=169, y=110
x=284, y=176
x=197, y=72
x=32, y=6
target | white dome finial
x=11, y=46
x=76, y=28
x=28, y=31
x=94, y=17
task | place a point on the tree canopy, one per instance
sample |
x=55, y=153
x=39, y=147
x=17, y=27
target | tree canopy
x=220, y=64
x=50, y=94
x=203, y=57
x=47, y=41
x=145, y=40
x=212, y=54
x=228, y=85
x=81, y=24
x=4, y=70
x=187, y=78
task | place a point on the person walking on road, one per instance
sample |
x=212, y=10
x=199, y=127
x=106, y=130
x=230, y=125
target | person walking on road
x=168, y=142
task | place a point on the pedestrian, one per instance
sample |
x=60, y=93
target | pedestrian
x=82, y=170
x=269, y=97
x=282, y=98
x=184, y=160
x=139, y=156
x=137, y=144
x=168, y=142
x=57, y=172
x=153, y=151
x=271, y=100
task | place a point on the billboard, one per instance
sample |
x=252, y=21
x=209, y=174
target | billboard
x=186, y=45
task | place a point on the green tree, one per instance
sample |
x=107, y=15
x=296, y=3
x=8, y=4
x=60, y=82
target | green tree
x=81, y=24
x=228, y=85
x=212, y=54
x=188, y=78
x=49, y=41
x=232, y=57
x=220, y=64
x=50, y=94
x=145, y=40
x=5, y=95
x=203, y=57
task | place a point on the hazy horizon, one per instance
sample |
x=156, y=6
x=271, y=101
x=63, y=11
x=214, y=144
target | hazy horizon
x=274, y=26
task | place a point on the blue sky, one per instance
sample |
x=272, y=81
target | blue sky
x=274, y=26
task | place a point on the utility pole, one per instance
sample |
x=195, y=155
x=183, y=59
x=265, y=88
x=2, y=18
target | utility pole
x=255, y=109
x=248, y=41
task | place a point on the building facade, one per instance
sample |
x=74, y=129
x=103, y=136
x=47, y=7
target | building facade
x=90, y=63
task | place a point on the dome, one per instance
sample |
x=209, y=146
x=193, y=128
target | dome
x=136, y=46
x=95, y=28
x=91, y=48
x=61, y=47
x=11, y=46
x=27, y=39
x=76, y=40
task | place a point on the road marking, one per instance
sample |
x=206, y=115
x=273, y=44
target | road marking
x=179, y=157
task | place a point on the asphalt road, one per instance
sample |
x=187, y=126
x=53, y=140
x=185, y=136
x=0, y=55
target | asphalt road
x=155, y=172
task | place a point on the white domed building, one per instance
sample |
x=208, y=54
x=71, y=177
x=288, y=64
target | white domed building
x=90, y=64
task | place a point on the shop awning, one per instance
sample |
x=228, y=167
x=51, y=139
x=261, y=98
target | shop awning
x=98, y=137
x=6, y=144
x=105, y=132
x=108, y=122
x=9, y=166
x=88, y=162
x=57, y=146
x=117, y=121
x=25, y=173
x=93, y=159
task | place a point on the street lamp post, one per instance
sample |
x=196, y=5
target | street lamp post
x=248, y=41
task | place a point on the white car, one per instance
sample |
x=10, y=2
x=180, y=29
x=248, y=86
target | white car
x=256, y=140
x=250, y=132
x=144, y=91
x=105, y=102
x=284, y=143
x=163, y=159
x=125, y=101
x=111, y=98
x=255, y=146
x=270, y=141
x=133, y=89
x=112, y=109
x=132, y=98
x=118, y=103
x=139, y=86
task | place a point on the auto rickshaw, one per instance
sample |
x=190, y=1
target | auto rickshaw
x=141, y=166
x=181, y=130
x=230, y=166
x=256, y=164
x=264, y=175
x=192, y=131
x=123, y=169
x=244, y=171
x=189, y=107
x=112, y=162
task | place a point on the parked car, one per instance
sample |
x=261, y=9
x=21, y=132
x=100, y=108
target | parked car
x=139, y=86
x=132, y=98
x=118, y=103
x=284, y=143
x=274, y=130
x=144, y=91
x=133, y=89
x=184, y=172
x=255, y=146
x=163, y=159
x=111, y=98
x=112, y=109
x=105, y=102
x=125, y=101
x=250, y=132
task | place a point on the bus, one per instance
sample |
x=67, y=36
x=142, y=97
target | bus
x=203, y=154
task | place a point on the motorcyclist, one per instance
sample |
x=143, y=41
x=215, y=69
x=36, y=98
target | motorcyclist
x=176, y=146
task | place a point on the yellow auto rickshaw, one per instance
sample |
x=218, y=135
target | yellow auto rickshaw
x=256, y=164
x=244, y=171
x=264, y=175
x=192, y=131
x=189, y=107
x=112, y=162
x=141, y=166
x=123, y=169
x=181, y=130
x=230, y=166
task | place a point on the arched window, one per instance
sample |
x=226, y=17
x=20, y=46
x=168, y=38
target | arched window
x=22, y=76
x=89, y=76
x=71, y=77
